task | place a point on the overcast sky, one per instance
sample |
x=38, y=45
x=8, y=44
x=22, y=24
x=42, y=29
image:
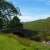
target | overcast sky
x=32, y=9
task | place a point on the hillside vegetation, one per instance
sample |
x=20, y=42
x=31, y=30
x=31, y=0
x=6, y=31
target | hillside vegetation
x=41, y=26
x=38, y=25
x=12, y=42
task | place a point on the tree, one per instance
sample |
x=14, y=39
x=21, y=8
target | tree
x=6, y=11
x=15, y=24
x=1, y=23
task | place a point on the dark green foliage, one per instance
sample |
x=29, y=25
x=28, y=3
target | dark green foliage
x=7, y=10
x=1, y=23
x=15, y=23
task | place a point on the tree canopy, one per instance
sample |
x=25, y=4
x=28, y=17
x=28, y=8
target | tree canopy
x=7, y=10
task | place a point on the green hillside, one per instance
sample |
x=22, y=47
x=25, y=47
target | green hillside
x=9, y=43
x=12, y=42
x=38, y=25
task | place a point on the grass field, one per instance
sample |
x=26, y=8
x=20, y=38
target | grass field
x=12, y=42
x=38, y=25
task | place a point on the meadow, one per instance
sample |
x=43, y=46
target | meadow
x=13, y=42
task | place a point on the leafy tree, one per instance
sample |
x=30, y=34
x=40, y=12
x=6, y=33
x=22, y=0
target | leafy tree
x=15, y=24
x=6, y=11
x=1, y=23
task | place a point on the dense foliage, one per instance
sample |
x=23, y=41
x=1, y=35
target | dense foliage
x=7, y=10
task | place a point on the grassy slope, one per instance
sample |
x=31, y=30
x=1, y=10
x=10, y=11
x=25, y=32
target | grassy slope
x=38, y=25
x=10, y=42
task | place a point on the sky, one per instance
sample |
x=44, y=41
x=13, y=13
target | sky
x=32, y=9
